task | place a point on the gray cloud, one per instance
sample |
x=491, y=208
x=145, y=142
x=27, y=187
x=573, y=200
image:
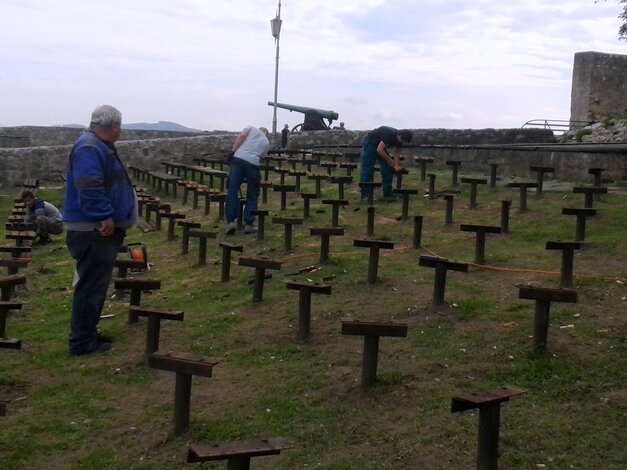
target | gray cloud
x=211, y=64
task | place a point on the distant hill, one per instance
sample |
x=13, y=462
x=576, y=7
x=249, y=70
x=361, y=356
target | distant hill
x=73, y=126
x=159, y=126
x=149, y=126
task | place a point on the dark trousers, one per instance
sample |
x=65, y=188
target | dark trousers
x=369, y=157
x=46, y=226
x=95, y=257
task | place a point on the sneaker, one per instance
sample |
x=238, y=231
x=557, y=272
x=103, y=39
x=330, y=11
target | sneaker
x=230, y=228
x=250, y=228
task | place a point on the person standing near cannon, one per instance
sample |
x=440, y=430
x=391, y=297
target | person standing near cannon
x=375, y=147
x=249, y=147
x=284, y=135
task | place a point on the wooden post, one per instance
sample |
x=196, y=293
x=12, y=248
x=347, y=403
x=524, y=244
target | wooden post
x=371, y=331
x=489, y=404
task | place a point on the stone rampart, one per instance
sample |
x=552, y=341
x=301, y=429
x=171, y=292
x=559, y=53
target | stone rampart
x=38, y=136
x=48, y=163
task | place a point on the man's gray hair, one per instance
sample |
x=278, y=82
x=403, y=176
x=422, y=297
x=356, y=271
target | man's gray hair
x=105, y=116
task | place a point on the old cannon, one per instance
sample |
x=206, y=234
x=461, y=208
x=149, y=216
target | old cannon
x=313, y=117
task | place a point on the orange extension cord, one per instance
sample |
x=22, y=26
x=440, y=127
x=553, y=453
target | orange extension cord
x=482, y=267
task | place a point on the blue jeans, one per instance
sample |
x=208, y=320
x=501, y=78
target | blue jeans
x=95, y=257
x=240, y=170
x=369, y=157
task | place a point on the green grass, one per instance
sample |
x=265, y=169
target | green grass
x=110, y=411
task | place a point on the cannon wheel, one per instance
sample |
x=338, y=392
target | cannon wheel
x=298, y=127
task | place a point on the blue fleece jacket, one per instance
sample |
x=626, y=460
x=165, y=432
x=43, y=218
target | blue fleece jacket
x=97, y=185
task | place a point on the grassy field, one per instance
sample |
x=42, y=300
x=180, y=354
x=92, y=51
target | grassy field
x=110, y=411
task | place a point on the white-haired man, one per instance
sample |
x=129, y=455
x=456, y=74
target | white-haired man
x=99, y=206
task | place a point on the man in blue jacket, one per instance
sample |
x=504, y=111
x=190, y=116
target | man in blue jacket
x=99, y=206
x=375, y=148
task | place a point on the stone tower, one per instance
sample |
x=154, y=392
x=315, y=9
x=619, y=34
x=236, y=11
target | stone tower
x=599, y=87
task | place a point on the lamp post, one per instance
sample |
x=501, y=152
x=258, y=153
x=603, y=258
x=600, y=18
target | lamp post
x=276, y=32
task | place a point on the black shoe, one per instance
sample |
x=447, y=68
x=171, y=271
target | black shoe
x=99, y=348
x=104, y=338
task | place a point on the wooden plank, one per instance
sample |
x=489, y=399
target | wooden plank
x=202, y=234
x=521, y=184
x=367, y=243
x=287, y=220
x=547, y=293
x=327, y=231
x=227, y=450
x=233, y=246
x=14, y=249
x=578, y=211
x=477, y=400
x=13, y=263
x=311, y=286
x=545, y=169
x=10, y=281
x=175, y=315
x=263, y=263
x=182, y=363
x=474, y=180
x=406, y=191
x=433, y=261
x=341, y=202
x=373, y=328
x=166, y=178
x=143, y=284
x=476, y=228
x=6, y=305
x=560, y=245
x=590, y=190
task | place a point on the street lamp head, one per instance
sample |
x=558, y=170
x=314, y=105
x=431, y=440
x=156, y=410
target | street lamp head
x=276, y=26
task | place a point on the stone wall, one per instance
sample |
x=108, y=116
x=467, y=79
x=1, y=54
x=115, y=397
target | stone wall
x=38, y=136
x=48, y=162
x=599, y=87
x=424, y=137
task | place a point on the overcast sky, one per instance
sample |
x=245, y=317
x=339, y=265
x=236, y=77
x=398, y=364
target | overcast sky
x=210, y=64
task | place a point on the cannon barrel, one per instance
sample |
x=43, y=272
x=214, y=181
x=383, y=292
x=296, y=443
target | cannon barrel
x=325, y=114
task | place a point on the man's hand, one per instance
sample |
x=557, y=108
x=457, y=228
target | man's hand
x=396, y=168
x=106, y=227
